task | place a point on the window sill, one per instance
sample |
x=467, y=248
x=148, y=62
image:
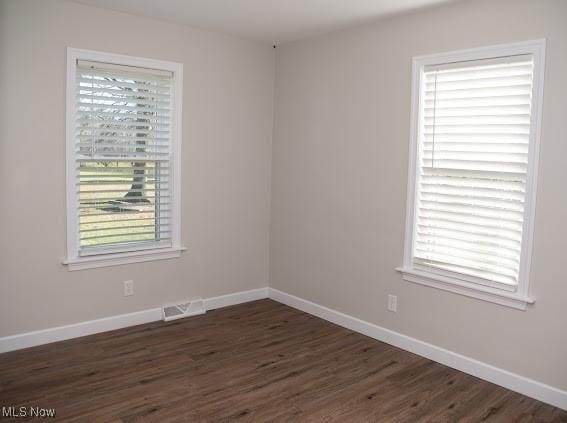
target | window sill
x=508, y=299
x=115, y=259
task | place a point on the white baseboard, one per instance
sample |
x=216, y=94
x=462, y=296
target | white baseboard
x=509, y=380
x=235, y=298
x=61, y=333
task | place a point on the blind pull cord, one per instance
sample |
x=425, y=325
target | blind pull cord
x=90, y=117
x=434, y=118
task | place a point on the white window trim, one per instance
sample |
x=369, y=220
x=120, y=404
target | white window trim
x=521, y=297
x=73, y=260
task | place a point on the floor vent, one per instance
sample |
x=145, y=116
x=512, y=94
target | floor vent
x=189, y=308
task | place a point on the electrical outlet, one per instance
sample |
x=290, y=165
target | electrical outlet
x=128, y=288
x=393, y=303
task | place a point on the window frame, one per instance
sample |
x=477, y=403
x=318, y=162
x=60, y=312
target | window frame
x=139, y=253
x=519, y=297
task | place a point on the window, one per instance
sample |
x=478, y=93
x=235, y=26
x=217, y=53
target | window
x=123, y=175
x=472, y=176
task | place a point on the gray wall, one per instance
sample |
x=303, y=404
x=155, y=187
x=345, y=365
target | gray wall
x=340, y=154
x=227, y=129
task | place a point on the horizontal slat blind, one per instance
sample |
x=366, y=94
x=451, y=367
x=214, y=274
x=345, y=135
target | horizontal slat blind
x=472, y=168
x=123, y=157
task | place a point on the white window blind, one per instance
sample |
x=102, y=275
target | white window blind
x=123, y=157
x=474, y=135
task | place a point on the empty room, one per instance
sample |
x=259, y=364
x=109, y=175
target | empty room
x=283, y=210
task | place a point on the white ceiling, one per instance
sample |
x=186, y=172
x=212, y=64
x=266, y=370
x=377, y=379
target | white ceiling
x=270, y=21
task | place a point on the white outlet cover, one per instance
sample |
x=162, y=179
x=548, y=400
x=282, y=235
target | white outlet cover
x=393, y=303
x=128, y=288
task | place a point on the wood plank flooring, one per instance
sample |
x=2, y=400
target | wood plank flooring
x=255, y=362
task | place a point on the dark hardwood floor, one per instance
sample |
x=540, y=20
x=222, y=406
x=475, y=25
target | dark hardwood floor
x=260, y=361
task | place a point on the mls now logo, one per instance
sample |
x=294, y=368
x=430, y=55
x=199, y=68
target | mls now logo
x=16, y=412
